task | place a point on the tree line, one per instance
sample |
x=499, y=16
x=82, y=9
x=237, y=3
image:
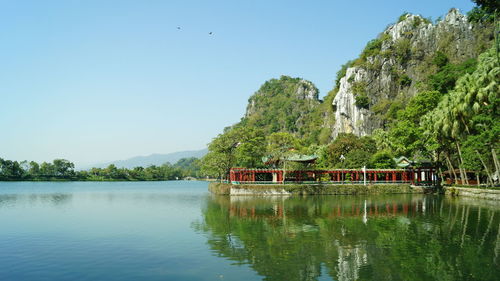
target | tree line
x=62, y=169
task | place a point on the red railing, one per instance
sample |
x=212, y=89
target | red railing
x=416, y=176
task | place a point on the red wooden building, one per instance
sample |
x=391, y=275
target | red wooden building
x=415, y=176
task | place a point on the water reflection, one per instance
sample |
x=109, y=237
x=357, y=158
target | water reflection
x=356, y=238
x=55, y=199
x=7, y=200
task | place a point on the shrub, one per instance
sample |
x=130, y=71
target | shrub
x=372, y=48
x=393, y=110
x=360, y=95
x=381, y=106
x=417, y=21
x=385, y=37
x=440, y=59
x=375, y=65
x=358, y=88
x=362, y=101
x=403, y=17
x=405, y=80
x=341, y=73
x=402, y=50
x=325, y=135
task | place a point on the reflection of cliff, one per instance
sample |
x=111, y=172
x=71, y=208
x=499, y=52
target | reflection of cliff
x=350, y=261
x=349, y=238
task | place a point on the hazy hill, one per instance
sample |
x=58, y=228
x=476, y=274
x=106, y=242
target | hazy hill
x=153, y=159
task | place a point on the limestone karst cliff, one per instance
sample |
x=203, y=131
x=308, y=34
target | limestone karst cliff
x=393, y=67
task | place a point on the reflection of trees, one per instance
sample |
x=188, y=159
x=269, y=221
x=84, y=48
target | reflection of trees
x=59, y=198
x=7, y=199
x=56, y=199
x=401, y=238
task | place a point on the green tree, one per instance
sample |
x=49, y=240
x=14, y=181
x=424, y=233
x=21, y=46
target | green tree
x=63, y=168
x=11, y=170
x=381, y=139
x=339, y=150
x=382, y=160
x=250, y=148
x=485, y=11
x=34, y=169
x=47, y=170
x=405, y=136
x=246, y=143
x=357, y=159
x=282, y=141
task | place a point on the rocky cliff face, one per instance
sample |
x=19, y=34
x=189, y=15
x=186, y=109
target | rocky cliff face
x=349, y=118
x=285, y=87
x=393, y=65
x=282, y=105
x=306, y=90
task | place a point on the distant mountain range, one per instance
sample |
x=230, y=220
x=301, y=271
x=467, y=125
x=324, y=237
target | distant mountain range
x=153, y=159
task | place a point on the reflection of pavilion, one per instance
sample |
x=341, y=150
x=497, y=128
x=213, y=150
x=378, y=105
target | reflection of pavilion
x=360, y=209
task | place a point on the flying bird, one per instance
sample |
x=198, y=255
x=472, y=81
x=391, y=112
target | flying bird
x=210, y=33
x=179, y=28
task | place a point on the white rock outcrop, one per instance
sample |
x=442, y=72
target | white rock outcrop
x=382, y=73
x=349, y=118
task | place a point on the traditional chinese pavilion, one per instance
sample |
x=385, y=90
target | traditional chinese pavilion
x=415, y=176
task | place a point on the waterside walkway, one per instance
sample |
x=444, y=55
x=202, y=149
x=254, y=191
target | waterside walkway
x=416, y=176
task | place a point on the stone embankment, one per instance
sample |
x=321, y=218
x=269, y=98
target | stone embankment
x=312, y=189
x=491, y=194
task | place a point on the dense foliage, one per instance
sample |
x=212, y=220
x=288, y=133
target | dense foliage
x=457, y=125
x=486, y=10
x=467, y=122
x=447, y=75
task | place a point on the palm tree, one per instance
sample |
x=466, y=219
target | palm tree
x=453, y=119
x=474, y=92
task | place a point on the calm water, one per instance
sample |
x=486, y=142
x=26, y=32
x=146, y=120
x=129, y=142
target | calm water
x=177, y=231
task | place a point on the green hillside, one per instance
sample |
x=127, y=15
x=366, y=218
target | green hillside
x=421, y=89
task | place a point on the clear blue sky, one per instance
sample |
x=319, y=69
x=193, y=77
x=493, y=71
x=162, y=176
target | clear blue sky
x=92, y=81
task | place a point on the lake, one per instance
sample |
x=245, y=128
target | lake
x=176, y=230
